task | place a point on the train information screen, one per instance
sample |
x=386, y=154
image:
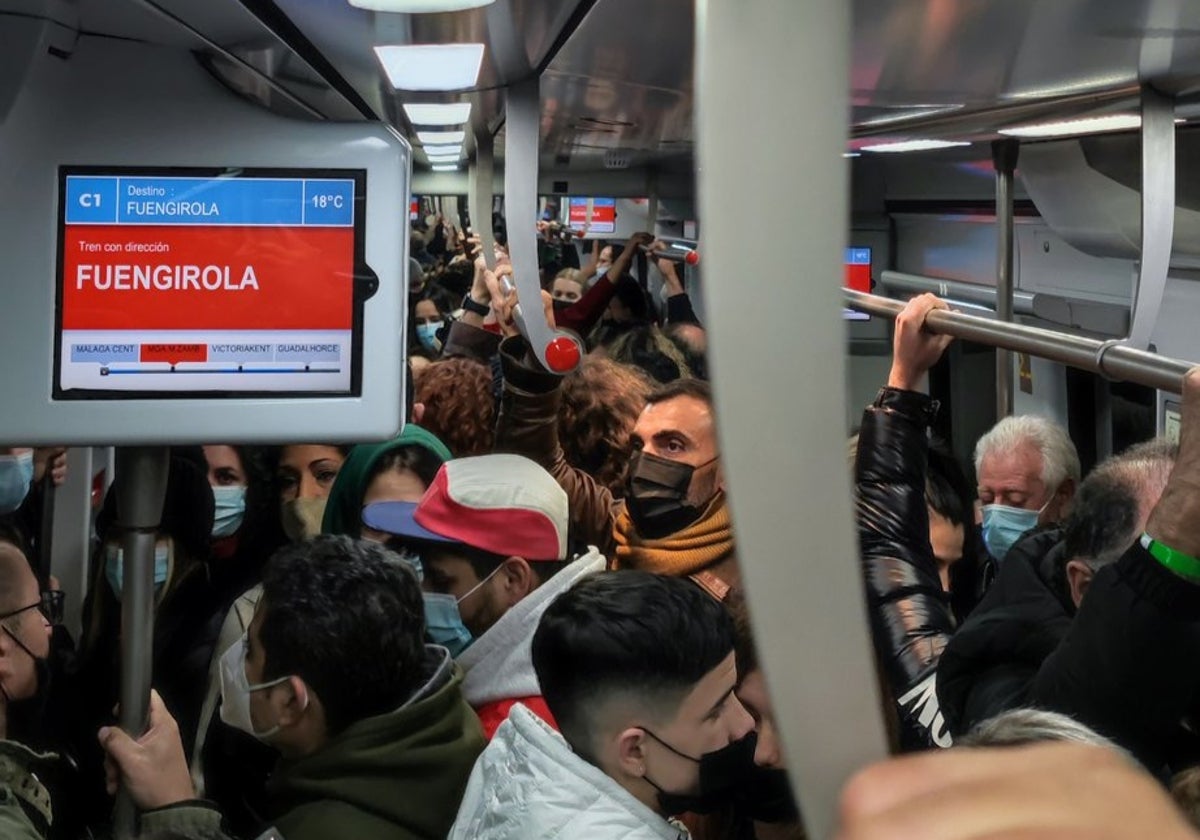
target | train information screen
x=599, y=214
x=858, y=278
x=186, y=282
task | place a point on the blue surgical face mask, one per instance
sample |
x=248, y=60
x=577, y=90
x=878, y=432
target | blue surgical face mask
x=443, y=621
x=444, y=624
x=1004, y=525
x=114, y=567
x=16, y=474
x=427, y=335
x=230, y=510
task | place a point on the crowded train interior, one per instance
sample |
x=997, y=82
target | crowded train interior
x=588, y=419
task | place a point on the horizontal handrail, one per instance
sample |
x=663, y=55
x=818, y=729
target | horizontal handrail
x=1107, y=358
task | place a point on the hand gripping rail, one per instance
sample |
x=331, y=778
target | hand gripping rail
x=1107, y=358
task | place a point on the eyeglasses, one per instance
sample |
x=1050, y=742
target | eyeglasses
x=50, y=605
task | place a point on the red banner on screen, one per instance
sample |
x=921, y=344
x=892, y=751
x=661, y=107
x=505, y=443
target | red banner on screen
x=602, y=215
x=132, y=277
x=858, y=278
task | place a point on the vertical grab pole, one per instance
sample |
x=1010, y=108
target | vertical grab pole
x=779, y=442
x=142, y=489
x=1004, y=158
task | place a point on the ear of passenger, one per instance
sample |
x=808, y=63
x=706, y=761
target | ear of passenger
x=516, y=581
x=1079, y=578
x=1059, y=505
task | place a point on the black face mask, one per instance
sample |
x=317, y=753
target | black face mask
x=29, y=709
x=721, y=774
x=656, y=495
x=560, y=305
x=763, y=794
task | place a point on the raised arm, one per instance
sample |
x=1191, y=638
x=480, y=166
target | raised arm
x=910, y=615
x=679, y=304
x=528, y=425
x=582, y=315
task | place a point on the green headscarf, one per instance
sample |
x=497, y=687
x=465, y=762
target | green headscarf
x=343, y=511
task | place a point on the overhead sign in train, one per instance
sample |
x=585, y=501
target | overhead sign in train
x=599, y=214
x=858, y=278
x=186, y=282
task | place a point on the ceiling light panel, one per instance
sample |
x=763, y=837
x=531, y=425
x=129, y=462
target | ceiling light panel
x=441, y=138
x=1086, y=125
x=446, y=168
x=914, y=146
x=418, y=7
x=449, y=149
x=455, y=113
x=431, y=66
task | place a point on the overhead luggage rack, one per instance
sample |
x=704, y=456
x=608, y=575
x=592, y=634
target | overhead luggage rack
x=1107, y=358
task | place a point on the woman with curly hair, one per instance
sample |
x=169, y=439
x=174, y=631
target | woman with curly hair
x=459, y=406
x=601, y=401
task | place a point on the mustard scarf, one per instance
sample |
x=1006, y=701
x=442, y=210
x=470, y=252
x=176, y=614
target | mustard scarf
x=707, y=541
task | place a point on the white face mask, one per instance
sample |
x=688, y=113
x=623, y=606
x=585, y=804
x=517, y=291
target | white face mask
x=236, y=690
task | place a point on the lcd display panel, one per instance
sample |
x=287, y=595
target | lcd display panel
x=858, y=278
x=180, y=282
x=601, y=211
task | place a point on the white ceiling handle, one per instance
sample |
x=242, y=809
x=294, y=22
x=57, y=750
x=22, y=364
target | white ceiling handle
x=559, y=351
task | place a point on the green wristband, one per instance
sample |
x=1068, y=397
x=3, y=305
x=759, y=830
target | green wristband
x=1181, y=564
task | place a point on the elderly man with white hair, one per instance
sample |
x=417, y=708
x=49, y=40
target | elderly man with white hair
x=1027, y=469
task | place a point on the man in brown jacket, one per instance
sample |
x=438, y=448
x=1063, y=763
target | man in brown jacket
x=674, y=518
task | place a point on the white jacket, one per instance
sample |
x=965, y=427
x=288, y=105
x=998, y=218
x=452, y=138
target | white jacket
x=498, y=665
x=529, y=785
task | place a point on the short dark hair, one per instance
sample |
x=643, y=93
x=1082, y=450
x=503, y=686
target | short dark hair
x=1102, y=520
x=1106, y=509
x=947, y=491
x=695, y=388
x=347, y=617
x=631, y=633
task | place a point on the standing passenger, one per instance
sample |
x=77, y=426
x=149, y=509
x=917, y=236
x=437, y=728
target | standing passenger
x=638, y=670
x=233, y=769
x=1027, y=469
x=492, y=536
x=184, y=604
x=374, y=736
x=305, y=476
x=674, y=518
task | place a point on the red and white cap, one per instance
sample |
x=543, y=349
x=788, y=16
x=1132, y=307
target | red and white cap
x=503, y=504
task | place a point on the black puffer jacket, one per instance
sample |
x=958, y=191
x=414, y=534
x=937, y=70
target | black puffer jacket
x=910, y=615
x=990, y=664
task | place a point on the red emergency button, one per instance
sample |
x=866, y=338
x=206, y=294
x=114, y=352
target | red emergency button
x=562, y=355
